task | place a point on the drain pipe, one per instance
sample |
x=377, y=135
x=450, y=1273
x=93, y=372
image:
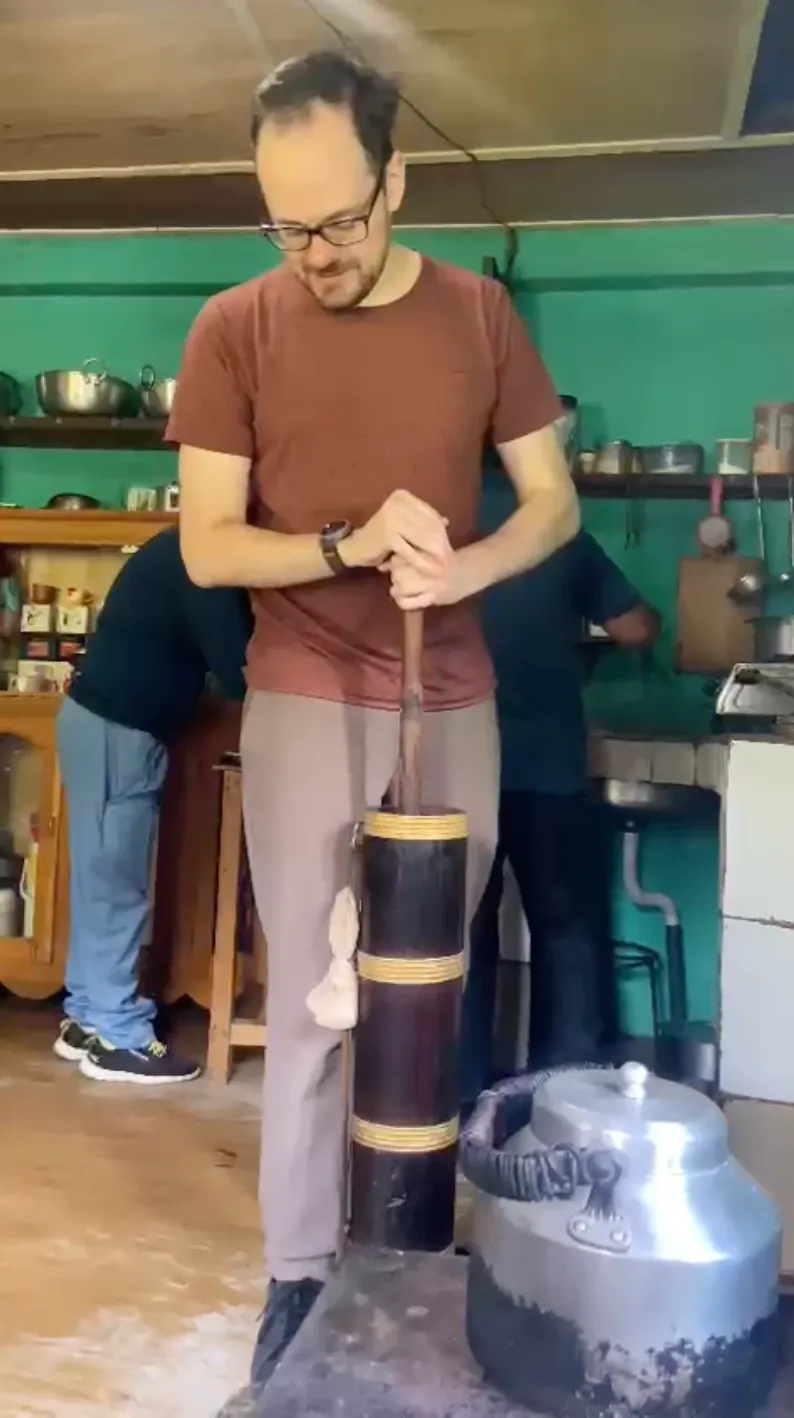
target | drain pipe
x=674, y=942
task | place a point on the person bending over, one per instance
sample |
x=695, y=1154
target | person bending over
x=157, y=639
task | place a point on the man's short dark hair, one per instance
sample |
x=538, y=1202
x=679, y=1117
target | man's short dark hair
x=331, y=77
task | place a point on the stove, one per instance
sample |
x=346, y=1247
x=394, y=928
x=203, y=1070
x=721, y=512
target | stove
x=757, y=697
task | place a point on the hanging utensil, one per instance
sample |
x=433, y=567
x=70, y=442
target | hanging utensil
x=714, y=532
x=751, y=586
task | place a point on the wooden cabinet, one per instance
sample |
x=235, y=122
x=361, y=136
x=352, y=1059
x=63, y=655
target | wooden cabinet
x=187, y=859
x=33, y=808
x=178, y=961
x=30, y=822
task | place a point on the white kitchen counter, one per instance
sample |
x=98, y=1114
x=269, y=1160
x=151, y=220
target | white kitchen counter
x=637, y=759
x=755, y=778
x=757, y=951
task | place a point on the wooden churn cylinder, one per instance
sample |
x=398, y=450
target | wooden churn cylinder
x=404, y=1126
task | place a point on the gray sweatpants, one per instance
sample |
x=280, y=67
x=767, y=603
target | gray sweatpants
x=310, y=767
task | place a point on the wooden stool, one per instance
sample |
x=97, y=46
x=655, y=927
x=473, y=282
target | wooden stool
x=230, y=1025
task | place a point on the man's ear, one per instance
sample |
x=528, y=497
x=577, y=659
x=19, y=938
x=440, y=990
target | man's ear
x=394, y=183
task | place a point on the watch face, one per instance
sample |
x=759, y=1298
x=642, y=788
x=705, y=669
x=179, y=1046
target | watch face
x=335, y=531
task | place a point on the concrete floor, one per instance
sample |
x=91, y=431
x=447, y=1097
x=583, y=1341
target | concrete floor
x=131, y=1270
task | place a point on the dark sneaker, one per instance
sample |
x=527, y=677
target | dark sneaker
x=72, y=1042
x=155, y=1064
x=288, y=1304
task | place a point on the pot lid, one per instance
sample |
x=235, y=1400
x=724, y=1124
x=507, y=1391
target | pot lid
x=659, y=1125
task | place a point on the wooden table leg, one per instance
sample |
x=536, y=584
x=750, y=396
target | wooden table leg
x=225, y=952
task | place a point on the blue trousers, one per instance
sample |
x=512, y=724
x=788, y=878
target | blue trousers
x=113, y=777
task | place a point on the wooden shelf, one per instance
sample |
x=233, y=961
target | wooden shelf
x=675, y=485
x=79, y=431
x=48, y=527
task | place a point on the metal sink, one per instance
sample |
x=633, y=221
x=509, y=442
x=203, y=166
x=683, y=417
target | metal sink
x=646, y=802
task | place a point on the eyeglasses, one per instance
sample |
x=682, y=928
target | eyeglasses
x=344, y=231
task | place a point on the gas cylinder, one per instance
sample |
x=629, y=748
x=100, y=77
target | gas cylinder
x=623, y=1262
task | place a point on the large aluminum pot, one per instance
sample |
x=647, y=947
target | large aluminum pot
x=623, y=1263
x=157, y=395
x=773, y=637
x=89, y=390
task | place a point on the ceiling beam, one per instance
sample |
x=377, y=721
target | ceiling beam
x=740, y=74
x=430, y=158
x=635, y=187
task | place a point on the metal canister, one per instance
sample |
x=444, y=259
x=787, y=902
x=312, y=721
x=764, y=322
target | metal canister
x=168, y=497
x=773, y=439
x=623, y=1263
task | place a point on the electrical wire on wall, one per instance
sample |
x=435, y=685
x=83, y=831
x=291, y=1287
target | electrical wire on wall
x=503, y=274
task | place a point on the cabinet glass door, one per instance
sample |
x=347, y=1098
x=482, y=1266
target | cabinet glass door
x=29, y=796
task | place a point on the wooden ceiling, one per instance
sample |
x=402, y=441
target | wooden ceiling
x=112, y=93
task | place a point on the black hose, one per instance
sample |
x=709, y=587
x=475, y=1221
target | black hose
x=676, y=976
x=548, y=1173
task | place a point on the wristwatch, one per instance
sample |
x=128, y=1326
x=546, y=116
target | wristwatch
x=331, y=535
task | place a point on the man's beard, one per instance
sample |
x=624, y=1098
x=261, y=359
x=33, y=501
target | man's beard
x=348, y=296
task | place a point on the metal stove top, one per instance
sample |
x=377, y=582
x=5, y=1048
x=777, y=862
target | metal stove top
x=758, y=691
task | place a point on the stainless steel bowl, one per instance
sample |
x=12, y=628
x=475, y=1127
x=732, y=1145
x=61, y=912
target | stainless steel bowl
x=87, y=391
x=157, y=395
x=73, y=502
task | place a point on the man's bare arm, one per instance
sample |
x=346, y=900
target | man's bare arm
x=220, y=549
x=547, y=516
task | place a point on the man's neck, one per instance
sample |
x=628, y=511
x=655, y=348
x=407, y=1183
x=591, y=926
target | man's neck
x=398, y=277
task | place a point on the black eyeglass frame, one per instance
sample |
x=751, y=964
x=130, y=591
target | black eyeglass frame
x=271, y=230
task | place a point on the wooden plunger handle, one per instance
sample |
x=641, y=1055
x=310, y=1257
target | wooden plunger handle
x=409, y=777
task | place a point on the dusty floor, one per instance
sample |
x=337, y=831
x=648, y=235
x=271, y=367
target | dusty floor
x=130, y=1253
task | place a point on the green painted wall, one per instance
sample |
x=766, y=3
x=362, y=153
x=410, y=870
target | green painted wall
x=664, y=332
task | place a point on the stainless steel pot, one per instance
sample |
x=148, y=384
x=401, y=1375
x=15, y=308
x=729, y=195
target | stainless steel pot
x=680, y=458
x=623, y=1263
x=157, y=395
x=616, y=459
x=773, y=637
x=86, y=391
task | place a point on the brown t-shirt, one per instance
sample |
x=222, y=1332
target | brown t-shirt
x=338, y=410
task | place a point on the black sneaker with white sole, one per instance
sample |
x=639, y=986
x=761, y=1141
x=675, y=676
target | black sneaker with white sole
x=72, y=1042
x=155, y=1064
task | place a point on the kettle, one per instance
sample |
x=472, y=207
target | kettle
x=623, y=1262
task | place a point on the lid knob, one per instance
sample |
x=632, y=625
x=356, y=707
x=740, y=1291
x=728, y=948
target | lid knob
x=632, y=1080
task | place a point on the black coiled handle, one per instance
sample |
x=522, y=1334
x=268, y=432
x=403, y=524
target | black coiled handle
x=547, y=1174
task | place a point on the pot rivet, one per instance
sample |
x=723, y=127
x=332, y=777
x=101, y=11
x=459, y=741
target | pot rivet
x=618, y=1237
x=579, y=1227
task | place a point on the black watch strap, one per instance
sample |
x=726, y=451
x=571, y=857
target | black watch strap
x=330, y=537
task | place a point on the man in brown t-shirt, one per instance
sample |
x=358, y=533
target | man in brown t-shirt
x=332, y=416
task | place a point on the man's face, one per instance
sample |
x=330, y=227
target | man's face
x=312, y=171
